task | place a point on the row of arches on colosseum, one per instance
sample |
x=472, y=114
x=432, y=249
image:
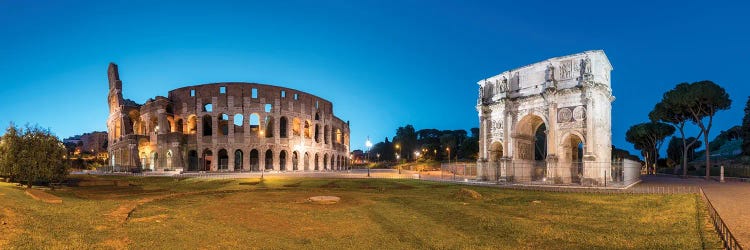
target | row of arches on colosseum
x=281, y=161
x=265, y=128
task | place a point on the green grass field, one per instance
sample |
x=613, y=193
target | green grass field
x=166, y=213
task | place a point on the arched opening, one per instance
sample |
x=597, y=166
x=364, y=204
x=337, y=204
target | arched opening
x=317, y=163
x=179, y=127
x=308, y=129
x=254, y=160
x=135, y=121
x=332, y=166
x=306, y=162
x=193, y=160
x=254, y=122
x=237, y=160
x=317, y=133
x=325, y=161
x=326, y=134
x=154, y=125
x=282, y=127
x=144, y=159
x=208, y=107
x=269, y=160
x=223, y=160
x=572, y=157
x=296, y=127
x=207, y=126
x=269, y=127
x=317, y=116
x=295, y=160
x=192, y=124
x=169, y=159
x=282, y=160
x=238, y=121
x=154, y=160
x=531, y=149
x=208, y=157
x=171, y=125
x=224, y=124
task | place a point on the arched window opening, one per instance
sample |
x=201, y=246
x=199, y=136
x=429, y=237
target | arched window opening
x=223, y=160
x=207, y=126
x=154, y=160
x=295, y=160
x=325, y=161
x=269, y=160
x=154, y=125
x=338, y=136
x=308, y=129
x=208, y=107
x=254, y=161
x=296, y=127
x=326, y=134
x=224, y=124
x=238, y=120
x=317, y=133
x=306, y=162
x=282, y=160
x=192, y=124
x=268, y=108
x=317, y=116
x=254, y=122
x=208, y=157
x=269, y=127
x=282, y=127
x=317, y=162
x=237, y=160
x=169, y=159
x=193, y=160
x=179, y=127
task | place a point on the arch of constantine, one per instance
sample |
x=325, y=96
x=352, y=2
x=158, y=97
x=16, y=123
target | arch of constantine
x=225, y=127
x=548, y=122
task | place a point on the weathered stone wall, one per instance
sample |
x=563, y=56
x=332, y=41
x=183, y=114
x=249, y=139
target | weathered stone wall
x=570, y=96
x=227, y=127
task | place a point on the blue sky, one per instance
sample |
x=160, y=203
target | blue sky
x=383, y=64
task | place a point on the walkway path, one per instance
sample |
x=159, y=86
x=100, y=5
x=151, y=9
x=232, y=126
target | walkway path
x=731, y=200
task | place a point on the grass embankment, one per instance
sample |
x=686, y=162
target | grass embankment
x=372, y=214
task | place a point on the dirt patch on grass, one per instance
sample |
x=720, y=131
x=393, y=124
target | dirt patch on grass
x=466, y=194
x=43, y=196
x=296, y=184
x=156, y=218
x=331, y=185
x=113, y=193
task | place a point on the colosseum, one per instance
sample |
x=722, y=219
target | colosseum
x=225, y=127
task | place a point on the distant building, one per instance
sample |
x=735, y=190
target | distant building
x=94, y=143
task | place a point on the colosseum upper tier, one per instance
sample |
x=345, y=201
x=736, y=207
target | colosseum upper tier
x=225, y=127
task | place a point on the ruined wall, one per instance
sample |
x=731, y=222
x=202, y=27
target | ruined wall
x=229, y=127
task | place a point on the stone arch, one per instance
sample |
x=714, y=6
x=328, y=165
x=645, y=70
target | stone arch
x=154, y=160
x=223, y=124
x=326, y=134
x=208, y=157
x=317, y=162
x=308, y=129
x=254, y=123
x=238, y=160
x=223, y=159
x=179, y=127
x=238, y=121
x=325, y=161
x=269, y=160
x=295, y=161
x=268, y=130
x=283, y=127
x=192, y=124
x=296, y=127
x=254, y=160
x=169, y=159
x=306, y=162
x=496, y=151
x=193, y=160
x=282, y=160
x=570, y=165
x=525, y=135
x=207, y=125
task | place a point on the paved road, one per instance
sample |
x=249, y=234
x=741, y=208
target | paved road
x=731, y=200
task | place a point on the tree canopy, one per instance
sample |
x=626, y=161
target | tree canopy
x=648, y=137
x=32, y=155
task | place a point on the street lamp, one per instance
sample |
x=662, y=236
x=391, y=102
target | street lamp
x=368, y=144
x=398, y=156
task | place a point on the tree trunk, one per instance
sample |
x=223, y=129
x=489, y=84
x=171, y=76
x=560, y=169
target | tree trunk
x=28, y=183
x=708, y=158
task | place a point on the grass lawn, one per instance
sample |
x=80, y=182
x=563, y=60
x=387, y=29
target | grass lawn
x=167, y=213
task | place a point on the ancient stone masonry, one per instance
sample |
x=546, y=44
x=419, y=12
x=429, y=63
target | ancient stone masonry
x=225, y=127
x=548, y=121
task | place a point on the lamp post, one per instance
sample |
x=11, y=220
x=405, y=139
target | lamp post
x=398, y=156
x=368, y=144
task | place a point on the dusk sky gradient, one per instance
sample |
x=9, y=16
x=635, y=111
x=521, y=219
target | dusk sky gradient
x=383, y=64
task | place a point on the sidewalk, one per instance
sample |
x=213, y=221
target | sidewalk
x=731, y=200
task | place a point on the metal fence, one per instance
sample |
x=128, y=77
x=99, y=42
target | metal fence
x=730, y=242
x=586, y=173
